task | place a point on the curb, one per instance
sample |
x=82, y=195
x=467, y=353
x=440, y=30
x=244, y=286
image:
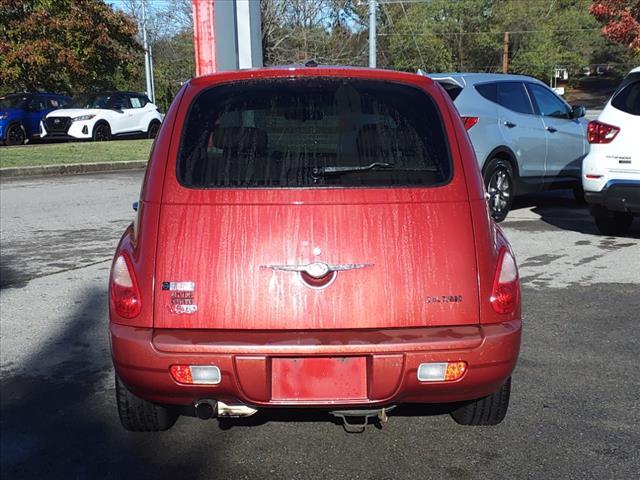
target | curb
x=70, y=169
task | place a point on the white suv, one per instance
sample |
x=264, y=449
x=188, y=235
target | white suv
x=101, y=116
x=611, y=171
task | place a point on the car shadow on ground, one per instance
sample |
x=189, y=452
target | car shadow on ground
x=560, y=209
x=59, y=418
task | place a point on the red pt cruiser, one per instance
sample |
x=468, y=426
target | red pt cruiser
x=312, y=238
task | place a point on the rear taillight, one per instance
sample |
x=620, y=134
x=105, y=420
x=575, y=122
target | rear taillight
x=598, y=132
x=469, y=122
x=506, y=285
x=124, y=293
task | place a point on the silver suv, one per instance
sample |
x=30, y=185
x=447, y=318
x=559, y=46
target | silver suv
x=526, y=137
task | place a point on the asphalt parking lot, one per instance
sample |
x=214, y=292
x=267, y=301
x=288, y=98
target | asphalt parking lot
x=574, y=407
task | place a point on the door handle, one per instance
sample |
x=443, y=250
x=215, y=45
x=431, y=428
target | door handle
x=551, y=130
x=508, y=124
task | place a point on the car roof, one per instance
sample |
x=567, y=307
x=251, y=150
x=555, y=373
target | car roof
x=473, y=78
x=303, y=71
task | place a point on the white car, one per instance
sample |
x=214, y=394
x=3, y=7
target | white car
x=611, y=170
x=101, y=116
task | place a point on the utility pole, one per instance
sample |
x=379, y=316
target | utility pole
x=505, y=53
x=372, y=33
x=148, y=66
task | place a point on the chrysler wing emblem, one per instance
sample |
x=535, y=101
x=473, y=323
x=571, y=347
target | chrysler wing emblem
x=317, y=269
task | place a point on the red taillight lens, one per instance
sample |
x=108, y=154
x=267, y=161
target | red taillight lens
x=123, y=289
x=506, y=286
x=598, y=132
x=469, y=122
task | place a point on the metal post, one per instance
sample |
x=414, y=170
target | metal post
x=372, y=33
x=147, y=65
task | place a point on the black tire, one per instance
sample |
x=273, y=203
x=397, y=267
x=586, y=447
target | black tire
x=15, y=135
x=578, y=194
x=489, y=410
x=138, y=415
x=153, y=129
x=101, y=132
x=610, y=222
x=499, y=183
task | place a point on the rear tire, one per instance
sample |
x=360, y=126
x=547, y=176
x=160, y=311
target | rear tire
x=489, y=410
x=101, y=132
x=500, y=185
x=611, y=223
x=15, y=135
x=138, y=415
x=578, y=194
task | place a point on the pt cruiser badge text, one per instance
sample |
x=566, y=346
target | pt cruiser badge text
x=444, y=299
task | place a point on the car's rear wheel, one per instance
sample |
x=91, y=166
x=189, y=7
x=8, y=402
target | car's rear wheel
x=153, y=129
x=15, y=135
x=101, y=132
x=138, y=415
x=489, y=410
x=499, y=183
x=611, y=223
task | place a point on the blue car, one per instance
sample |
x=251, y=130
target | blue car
x=20, y=115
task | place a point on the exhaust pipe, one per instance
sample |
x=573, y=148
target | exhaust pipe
x=238, y=410
x=206, y=409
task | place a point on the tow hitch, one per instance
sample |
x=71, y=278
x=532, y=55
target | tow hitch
x=378, y=417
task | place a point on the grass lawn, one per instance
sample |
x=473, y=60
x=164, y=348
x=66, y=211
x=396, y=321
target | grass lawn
x=74, y=152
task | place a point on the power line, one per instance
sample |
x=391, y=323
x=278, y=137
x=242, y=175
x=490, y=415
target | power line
x=455, y=34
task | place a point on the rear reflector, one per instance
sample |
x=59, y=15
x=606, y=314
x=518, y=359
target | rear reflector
x=196, y=374
x=593, y=177
x=441, y=372
x=469, y=122
x=124, y=294
x=506, y=285
x=599, y=132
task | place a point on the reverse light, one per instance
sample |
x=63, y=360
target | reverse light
x=469, y=122
x=441, y=371
x=196, y=374
x=124, y=293
x=506, y=285
x=82, y=118
x=599, y=132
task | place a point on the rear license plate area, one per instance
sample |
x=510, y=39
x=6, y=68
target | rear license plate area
x=319, y=379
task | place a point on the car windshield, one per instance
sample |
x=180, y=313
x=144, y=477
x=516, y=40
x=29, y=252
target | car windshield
x=313, y=133
x=13, y=101
x=89, y=101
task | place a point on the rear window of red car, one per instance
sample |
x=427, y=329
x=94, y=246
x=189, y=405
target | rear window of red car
x=284, y=133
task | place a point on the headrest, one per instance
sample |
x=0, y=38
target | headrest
x=241, y=139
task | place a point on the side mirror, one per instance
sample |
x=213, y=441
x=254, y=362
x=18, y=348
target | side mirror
x=578, y=112
x=135, y=206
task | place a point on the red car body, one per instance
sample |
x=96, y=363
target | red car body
x=421, y=282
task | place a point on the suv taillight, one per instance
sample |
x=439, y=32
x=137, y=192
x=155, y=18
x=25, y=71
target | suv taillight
x=469, y=122
x=599, y=132
x=506, y=285
x=123, y=288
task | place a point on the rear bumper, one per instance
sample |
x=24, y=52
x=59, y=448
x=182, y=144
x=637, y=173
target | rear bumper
x=617, y=195
x=142, y=358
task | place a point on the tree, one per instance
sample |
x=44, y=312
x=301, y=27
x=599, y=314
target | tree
x=65, y=45
x=621, y=19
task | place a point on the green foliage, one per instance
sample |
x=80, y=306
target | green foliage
x=173, y=64
x=64, y=45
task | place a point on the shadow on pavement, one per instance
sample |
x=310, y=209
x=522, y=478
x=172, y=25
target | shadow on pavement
x=559, y=209
x=59, y=418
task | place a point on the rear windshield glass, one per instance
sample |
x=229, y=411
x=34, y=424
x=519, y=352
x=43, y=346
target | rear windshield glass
x=318, y=132
x=628, y=98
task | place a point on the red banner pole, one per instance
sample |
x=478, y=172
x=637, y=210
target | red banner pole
x=204, y=36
